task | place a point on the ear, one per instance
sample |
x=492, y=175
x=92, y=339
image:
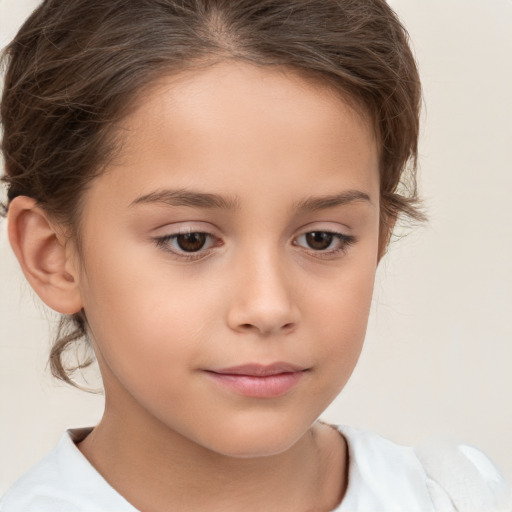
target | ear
x=387, y=224
x=43, y=255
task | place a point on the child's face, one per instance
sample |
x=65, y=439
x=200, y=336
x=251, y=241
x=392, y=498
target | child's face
x=267, y=283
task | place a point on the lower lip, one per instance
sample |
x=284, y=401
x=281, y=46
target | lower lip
x=268, y=386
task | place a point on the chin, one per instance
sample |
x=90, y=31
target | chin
x=248, y=448
x=255, y=439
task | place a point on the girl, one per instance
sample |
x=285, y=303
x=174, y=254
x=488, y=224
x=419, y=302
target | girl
x=204, y=189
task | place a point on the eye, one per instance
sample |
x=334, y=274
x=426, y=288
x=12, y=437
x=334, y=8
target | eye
x=191, y=242
x=189, y=245
x=319, y=240
x=325, y=241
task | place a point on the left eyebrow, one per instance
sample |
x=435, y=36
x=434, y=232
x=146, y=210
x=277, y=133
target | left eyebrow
x=313, y=204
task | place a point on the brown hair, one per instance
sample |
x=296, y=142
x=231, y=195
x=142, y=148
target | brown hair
x=76, y=65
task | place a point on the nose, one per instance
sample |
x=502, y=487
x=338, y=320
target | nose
x=262, y=298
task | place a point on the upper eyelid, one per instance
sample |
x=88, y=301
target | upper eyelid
x=343, y=237
x=327, y=226
x=179, y=228
x=177, y=233
x=214, y=231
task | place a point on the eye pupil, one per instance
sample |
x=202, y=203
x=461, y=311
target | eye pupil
x=191, y=242
x=319, y=240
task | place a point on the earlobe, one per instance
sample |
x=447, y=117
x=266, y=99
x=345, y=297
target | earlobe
x=43, y=256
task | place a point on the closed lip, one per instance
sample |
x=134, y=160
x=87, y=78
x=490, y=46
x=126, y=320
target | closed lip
x=260, y=370
x=261, y=381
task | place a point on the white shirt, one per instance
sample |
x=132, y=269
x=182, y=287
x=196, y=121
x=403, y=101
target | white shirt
x=382, y=477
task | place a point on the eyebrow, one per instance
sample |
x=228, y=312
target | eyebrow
x=316, y=203
x=184, y=197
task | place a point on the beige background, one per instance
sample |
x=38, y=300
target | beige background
x=438, y=358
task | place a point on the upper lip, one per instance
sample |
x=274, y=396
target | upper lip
x=260, y=370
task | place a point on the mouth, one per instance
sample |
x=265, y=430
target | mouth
x=259, y=381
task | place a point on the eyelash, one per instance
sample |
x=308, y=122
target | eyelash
x=163, y=242
x=344, y=241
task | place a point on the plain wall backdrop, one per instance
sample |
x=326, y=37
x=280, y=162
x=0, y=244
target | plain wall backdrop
x=438, y=356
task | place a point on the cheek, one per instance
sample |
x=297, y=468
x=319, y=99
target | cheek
x=141, y=314
x=339, y=316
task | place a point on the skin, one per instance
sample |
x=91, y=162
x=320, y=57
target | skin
x=257, y=292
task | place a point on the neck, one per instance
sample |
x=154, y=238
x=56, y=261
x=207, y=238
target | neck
x=156, y=469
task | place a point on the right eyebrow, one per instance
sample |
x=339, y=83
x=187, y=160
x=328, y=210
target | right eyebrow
x=184, y=197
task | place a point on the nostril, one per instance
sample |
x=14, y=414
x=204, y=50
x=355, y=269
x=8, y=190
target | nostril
x=285, y=327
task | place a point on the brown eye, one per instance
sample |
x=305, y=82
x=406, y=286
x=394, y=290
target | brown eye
x=325, y=244
x=191, y=242
x=188, y=246
x=319, y=240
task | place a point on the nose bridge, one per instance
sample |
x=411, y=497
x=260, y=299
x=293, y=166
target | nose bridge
x=262, y=298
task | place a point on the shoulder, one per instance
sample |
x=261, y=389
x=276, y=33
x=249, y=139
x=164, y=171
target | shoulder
x=63, y=481
x=440, y=477
x=464, y=476
x=382, y=475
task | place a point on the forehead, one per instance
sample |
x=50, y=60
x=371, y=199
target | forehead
x=234, y=120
